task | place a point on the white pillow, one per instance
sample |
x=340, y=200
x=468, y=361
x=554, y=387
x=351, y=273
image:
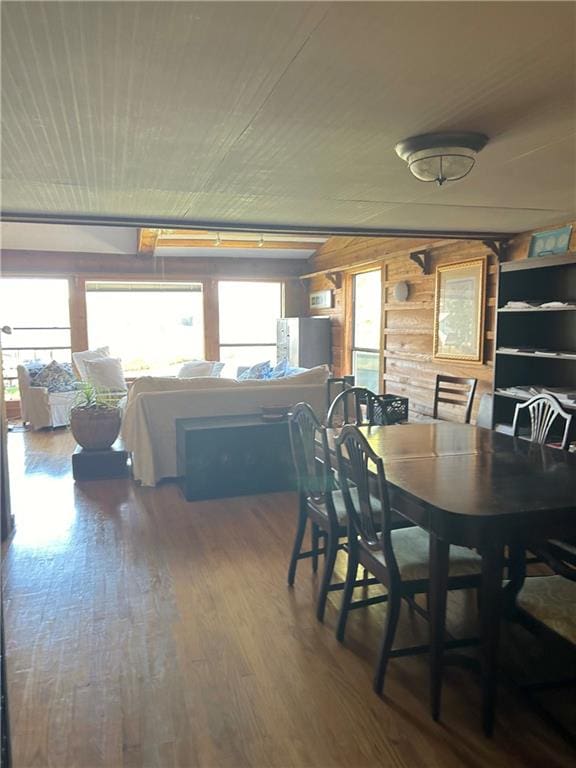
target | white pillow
x=80, y=358
x=317, y=375
x=106, y=373
x=195, y=368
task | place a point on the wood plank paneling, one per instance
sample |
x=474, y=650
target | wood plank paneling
x=116, y=266
x=408, y=365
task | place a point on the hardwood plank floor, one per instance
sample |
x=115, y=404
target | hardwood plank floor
x=144, y=630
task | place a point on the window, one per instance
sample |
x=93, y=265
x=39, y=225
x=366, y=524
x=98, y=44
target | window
x=37, y=311
x=248, y=315
x=152, y=327
x=367, y=300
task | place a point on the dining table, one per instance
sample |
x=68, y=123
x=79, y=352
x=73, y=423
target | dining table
x=482, y=489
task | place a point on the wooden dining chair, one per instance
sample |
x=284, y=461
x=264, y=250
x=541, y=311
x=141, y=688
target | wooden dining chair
x=356, y=405
x=335, y=385
x=543, y=411
x=397, y=558
x=320, y=501
x=456, y=392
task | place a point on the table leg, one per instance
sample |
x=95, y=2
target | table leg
x=490, y=615
x=439, y=565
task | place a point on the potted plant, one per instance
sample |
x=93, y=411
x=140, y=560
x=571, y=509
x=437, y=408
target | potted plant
x=95, y=418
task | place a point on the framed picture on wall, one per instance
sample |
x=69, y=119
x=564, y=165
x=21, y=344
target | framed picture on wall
x=551, y=242
x=321, y=300
x=459, y=311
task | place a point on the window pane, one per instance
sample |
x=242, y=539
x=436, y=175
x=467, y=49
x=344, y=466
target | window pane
x=248, y=312
x=366, y=370
x=245, y=356
x=152, y=327
x=38, y=313
x=367, y=306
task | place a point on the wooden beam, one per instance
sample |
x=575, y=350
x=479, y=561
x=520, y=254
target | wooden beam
x=204, y=239
x=147, y=239
x=78, y=314
x=211, y=320
x=98, y=266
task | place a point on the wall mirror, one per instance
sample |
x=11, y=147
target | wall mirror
x=459, y=311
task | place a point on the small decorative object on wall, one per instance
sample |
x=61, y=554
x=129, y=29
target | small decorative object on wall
x=401, y=291
x=459, y=311
x=321, y=300
x=553, y=241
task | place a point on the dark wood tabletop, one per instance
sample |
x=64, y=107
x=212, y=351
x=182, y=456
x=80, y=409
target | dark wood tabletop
x=471, y=484
x=483, y=489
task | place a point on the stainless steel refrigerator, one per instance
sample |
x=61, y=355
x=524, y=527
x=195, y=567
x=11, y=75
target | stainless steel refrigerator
x=304, y=341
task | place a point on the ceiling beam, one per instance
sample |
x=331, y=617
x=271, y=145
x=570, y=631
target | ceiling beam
x=221, y=226
x=213, y=242
x=147, y=239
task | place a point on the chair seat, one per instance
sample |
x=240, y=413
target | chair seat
x=340, y=506
x=412, y=549
x=551, y=600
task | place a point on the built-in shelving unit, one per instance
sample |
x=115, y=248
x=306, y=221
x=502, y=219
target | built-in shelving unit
x=522, y=331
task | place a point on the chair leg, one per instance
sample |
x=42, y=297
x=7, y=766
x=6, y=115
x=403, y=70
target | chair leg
x=315, y=546
x=331, y=550
x=387, y=641
x=300, y=530
x=351, y=573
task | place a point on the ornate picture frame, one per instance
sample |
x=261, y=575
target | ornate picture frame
x=459, y=311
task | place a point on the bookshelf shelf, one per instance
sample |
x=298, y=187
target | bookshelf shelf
x=506, y=310
x=550, y=278
x=556, y=356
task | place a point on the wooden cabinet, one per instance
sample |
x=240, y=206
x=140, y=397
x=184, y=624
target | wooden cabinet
x=535, y=346
x=233, y=456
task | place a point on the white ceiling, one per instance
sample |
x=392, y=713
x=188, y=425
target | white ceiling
x=278, y=114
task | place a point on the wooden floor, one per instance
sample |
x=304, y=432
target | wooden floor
x=143, y=630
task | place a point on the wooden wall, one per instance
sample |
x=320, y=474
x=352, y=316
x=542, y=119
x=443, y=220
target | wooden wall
x=408, y=367
x=80, y=267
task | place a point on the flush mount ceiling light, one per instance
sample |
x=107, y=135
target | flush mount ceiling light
x=441, y=157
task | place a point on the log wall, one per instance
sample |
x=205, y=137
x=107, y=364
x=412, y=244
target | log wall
x=408, y=327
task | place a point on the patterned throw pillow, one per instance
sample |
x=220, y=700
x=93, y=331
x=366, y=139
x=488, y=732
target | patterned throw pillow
x=258, y=371
x=33, y=367
x=56, y=377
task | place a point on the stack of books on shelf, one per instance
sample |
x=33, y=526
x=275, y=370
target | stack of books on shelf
x=533, y=304
x=565, y=395
x=540, y=352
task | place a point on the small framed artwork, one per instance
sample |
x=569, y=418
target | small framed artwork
x=459, y=311
x=321, y=300
x=552, y=242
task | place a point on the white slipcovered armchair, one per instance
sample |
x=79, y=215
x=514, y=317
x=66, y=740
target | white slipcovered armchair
x=41, y=408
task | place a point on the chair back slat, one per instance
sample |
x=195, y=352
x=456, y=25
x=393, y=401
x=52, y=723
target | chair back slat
x=454, y=391
x=356, y=405
x=543, y=411
x=311, y=457
x=356, y=463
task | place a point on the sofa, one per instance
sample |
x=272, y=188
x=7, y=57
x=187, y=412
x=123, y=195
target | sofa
x=153, y=405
